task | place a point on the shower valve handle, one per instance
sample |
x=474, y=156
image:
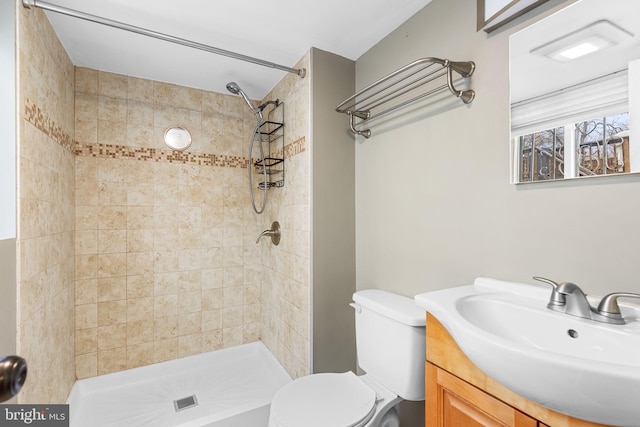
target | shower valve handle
x=274, y=233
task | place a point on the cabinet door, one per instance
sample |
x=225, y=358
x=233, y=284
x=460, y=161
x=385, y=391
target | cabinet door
x=452, y=402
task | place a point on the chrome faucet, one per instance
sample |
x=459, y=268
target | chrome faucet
x=568, y=298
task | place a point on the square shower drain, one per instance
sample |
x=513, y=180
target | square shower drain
x=185, y=403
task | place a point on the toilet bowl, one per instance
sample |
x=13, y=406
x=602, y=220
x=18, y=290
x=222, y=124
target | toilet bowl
x=390, y=342
x=322, y=400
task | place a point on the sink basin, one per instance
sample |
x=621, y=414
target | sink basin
x=582, y=368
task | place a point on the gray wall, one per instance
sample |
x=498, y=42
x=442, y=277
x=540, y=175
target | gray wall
x=434, y=205
x=8, y=300
x=332, y=215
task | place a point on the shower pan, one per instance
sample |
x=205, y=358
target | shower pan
x=269, y=135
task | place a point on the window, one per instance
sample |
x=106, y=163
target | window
x=603, y=145
x=599, y=146
x=542, y=155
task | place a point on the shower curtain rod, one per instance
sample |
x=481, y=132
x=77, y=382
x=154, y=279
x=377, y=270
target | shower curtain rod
x=149, y=33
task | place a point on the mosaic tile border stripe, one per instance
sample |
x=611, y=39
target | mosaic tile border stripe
x=110, y=151
x=34, y=115
x=43, y=122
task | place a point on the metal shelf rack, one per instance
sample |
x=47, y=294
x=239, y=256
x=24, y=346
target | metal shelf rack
x=272, y=137
x=404, y=86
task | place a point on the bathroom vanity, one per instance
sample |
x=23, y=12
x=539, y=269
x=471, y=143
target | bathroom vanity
x=458, y=393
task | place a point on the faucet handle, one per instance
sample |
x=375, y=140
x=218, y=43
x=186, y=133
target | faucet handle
x=609, y=307
x=273, y=232
x=553, y=284
x=557, y=298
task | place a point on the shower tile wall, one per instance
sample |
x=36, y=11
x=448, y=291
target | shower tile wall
x=286, y=286
x=159, y=245
x=166, y=264
x=45, y=210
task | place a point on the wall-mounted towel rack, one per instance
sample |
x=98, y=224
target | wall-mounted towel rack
x=405, y=86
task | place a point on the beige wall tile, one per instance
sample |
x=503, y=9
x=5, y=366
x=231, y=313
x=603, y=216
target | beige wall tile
x=166, y=349
x=112, y=241
x=139, y=355
x=178, y=96
x=86, y=316
x=112, y=336
x=139, y=240
x=140, y=217
x=86, y=80
x=212, y=299
x=140, y=194
x=109, y=194
x=212, y=278
x=140, y=90
x=189, y=345
x=112, y=109
x=112, y=265
x=139, y=286
x=113, y=85
x=140, y=263
x=112, y=132
x=86, y=106
x=112, y=288
x=139, y=136
x=212, y=340
x=140, y=172
x=140, y=331
x=165, y=327
x=86, y=242
x=86, y=341
x=211, y=320
x=190, y=281
x=86, y=291
x=86, y=365
x=166, y=305
x=190, y=323
x=86, y=130
x=140, y=309
x=112, y=360
x=112, y=218
x=45, y=333
x=190, y=302
x=232, y=336
x=171, y=267
x=166, y=283
x=111, y=312
x=86, y=217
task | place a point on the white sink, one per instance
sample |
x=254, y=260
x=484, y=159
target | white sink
x=583, y=368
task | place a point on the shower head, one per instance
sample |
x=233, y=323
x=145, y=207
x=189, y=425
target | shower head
x=235, y=89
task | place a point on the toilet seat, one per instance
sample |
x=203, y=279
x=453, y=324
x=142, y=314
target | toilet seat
x=321, y=400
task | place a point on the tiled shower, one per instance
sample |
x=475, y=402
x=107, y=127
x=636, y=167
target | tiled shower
x=131, y=254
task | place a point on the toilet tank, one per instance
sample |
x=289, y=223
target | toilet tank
x=390, y=341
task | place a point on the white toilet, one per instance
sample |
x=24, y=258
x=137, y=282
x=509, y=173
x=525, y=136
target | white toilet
x=390, y=342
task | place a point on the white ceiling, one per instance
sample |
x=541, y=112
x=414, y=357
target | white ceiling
x=533, y=74
x=277, y=31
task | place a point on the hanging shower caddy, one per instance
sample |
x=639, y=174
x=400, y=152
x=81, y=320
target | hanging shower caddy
x=272, y=137
x=415, y=81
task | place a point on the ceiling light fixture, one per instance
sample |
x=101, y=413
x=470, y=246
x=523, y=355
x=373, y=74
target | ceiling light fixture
x=594, y=37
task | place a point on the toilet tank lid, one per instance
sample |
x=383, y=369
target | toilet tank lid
x=394, y=306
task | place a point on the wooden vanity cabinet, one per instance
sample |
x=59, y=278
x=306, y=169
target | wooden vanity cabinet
x=459, y=394
x=452, y=402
